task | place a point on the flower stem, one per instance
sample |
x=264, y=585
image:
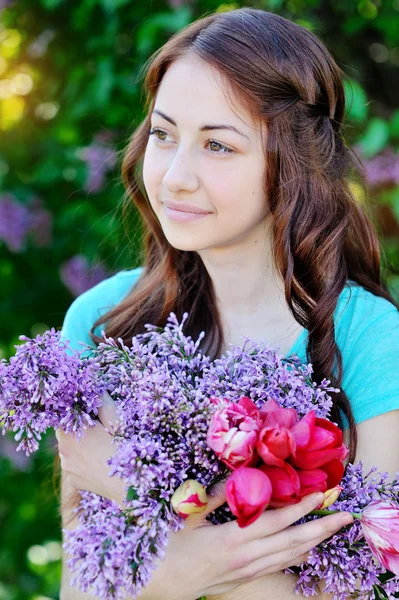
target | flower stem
x=324, y=512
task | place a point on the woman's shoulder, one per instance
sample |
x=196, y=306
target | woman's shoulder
x=367, y=332
x=361, y=313
x=93, y=303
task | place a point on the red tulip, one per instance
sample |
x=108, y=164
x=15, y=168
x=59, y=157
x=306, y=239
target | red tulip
x=335, y=471
x=286, y=485
x=313, y=480
x=380, y=525
x=318, y=441
x=233, y=433
x=276, y=441
x=248, y=494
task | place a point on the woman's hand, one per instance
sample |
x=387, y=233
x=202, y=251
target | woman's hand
x=84, y=463
x=202, y=559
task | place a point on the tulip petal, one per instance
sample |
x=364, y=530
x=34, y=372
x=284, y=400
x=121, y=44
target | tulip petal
x=285, y=485
x=248, y=493
x=380, y=525
x=335, y=471
x=313, y=480
x=302, y=430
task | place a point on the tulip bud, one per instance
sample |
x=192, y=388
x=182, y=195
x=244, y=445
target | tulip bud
x=330, y=496
x=189, y=498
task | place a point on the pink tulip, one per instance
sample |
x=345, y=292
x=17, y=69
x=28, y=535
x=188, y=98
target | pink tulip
x=318, y=441
x=380, y=525
x=285, y=484
x=233, y=433
x=273, y=414
x=248, y=493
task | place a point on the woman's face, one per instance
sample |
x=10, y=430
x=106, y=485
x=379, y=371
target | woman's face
x=204, y=163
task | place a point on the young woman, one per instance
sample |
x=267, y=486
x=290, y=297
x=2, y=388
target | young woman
x=240, y=173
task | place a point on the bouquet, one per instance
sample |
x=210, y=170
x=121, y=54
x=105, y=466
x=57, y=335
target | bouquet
x=186, y=422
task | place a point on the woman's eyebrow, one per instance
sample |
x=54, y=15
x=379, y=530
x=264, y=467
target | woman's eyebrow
x=204, y=127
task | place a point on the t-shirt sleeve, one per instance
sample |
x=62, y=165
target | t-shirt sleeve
x=371, y=372
x=77, y=323
x=89, y=306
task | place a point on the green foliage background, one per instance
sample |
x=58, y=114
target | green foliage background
x=70, y=89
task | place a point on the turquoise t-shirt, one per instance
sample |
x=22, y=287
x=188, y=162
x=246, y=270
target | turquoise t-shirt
x=366, y=326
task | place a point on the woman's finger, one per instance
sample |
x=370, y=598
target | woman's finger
x=107, y=413
x=272, y=521
x=297, y=536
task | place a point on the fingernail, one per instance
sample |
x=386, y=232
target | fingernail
x=318, y=499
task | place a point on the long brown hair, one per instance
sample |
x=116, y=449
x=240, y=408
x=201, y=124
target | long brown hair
x=321, y=237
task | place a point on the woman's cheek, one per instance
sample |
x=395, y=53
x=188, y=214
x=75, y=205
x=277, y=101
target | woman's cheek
x=153, y=171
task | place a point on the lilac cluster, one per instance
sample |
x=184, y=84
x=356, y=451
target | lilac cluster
x=42, y=387
x=344, y=562
x=77, y=275
x=162, y=386
x=112, y=554
x=17, y=221
x=258, y=372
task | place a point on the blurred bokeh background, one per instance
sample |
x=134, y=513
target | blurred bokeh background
x=70, y=96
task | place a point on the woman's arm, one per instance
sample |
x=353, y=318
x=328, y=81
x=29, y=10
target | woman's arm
x=378, y=445
x=268, y=587
x=69, y=499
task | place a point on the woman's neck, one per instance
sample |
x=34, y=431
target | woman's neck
x=250, y=294
x=244, y=276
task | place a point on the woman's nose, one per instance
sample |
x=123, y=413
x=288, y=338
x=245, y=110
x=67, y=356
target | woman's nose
x=181, y=174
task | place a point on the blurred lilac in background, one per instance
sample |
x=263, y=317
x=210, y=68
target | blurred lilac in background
x=18, y=221
x=100, y=158
x=14, y=222
x=77, y=275
x=383, y=168
x=19, y=460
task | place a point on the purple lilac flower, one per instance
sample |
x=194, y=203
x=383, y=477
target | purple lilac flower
x=345, y=562
x=100, y=158
x=77, y=275
x=41, y=222
x=14, y=222
x=161, y=386
x=42, y=387
x=19, y=461
x=18, y=221
x=383, y=168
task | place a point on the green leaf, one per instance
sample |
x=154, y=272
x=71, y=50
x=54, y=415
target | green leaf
x=51, y=4
x=395, y=203
x=375, y=137
x=394, y=125
x=148, y=34
x=131, y=494
x=112, y=5
x=356, y=101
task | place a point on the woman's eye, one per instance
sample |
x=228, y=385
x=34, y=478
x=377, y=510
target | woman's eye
x=225, y=149
x=155, y=130
x=218, y=148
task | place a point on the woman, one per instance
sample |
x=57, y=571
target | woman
x=240, y=173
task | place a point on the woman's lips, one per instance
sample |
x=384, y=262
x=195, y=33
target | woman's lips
x=184, y=216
